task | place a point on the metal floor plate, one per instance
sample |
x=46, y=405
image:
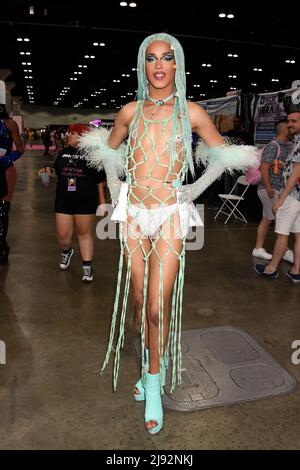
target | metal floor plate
x=222, y=366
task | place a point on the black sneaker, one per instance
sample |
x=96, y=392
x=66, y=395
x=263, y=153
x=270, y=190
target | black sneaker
x=65, y=259
x=87, y=273
x=293, y=277
x=260, y=269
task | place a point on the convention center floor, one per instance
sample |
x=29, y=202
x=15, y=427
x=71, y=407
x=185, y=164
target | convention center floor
x=56, y=329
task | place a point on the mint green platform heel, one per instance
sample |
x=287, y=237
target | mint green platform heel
x=140, y=383
x=153, y=408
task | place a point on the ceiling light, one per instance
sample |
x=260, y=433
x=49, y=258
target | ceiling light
x=86, y=56
x=123, y=4
x=188, y=73
x=84, y=66
x=103, y=104
x=230, y=15
x=275, y=80
x=19, y=39
x=222, y=15
x=95, y=44
x=26, y=39
x=133, y=69
x=22, y=53
x=80, y=66
x=92, y=57
x=102, y=44
x=31, y=10
x=254, y=84
x=28, y=53
x=24, y=63
x=132, y=5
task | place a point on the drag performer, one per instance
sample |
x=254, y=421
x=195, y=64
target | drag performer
x=9, y=135
x=155, y=210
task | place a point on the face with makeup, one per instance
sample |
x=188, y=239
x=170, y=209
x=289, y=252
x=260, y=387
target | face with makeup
x=160, y=66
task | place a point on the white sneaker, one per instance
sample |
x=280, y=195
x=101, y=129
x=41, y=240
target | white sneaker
x=289, y=256
x=87, y=273
x=261, y=253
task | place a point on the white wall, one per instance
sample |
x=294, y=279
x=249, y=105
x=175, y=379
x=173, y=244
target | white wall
x=39, y=116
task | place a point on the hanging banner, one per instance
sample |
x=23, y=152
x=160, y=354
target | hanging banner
x=222, y=111
x=267, y=110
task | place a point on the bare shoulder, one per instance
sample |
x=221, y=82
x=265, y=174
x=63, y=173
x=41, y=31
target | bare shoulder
x=126, y=113
x=196, y=112
x=11, y=125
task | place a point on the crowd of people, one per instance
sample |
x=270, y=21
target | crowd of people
x=153, y=206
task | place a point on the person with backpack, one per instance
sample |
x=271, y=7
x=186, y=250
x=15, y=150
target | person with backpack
x=274, y=156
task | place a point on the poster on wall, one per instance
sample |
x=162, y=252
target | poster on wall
x=267, y=110
x=222, y=111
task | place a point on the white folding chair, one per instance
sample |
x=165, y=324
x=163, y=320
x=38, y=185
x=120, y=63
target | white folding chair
x=231, y=201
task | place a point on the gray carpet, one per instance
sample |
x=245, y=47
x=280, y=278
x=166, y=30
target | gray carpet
x=223, y=366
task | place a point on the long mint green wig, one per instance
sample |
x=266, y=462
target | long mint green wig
x=180, y=106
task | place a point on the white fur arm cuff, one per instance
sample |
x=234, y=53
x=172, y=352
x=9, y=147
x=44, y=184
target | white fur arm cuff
x=218, y=159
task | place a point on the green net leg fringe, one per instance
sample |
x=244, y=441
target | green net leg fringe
x=173, y=347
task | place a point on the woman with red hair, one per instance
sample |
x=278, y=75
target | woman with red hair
x=78, y=193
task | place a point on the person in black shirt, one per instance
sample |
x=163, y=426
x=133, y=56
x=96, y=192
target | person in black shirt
x=78, y=194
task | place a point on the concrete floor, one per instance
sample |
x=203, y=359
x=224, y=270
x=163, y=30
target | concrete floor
x=56, y=330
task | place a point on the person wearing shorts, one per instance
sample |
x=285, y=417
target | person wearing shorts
x=79, y=191
x=287, y=209
x=269, y=187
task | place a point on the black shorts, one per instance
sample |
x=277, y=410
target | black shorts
x=76, y=207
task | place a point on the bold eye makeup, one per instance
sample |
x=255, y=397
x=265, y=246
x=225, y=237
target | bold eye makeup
x=151, y=57
x=168, y=57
